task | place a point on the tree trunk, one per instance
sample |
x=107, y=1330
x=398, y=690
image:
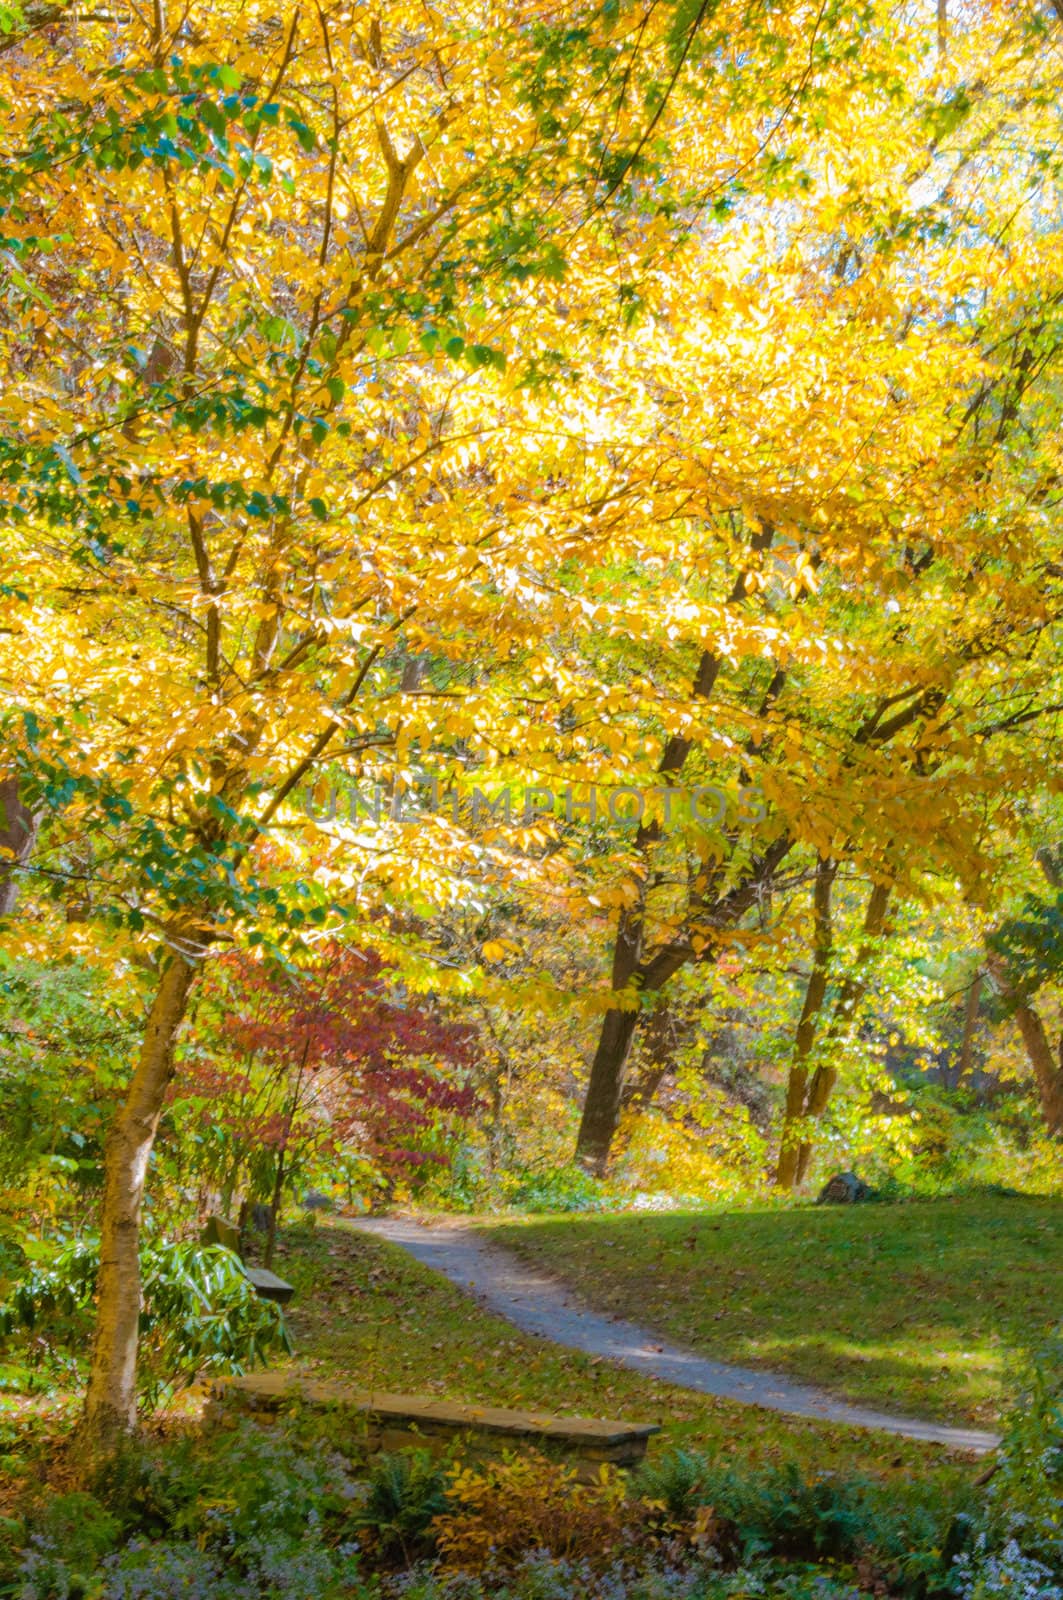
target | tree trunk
x=1046, y=1070
x=1048, y=1073
x=274, y=1208
x=817, y=1096
x=823, y=1080
x=601, y=1109
x=111, y=1401
x=499, y=1089
x=808, y=1024
x=278, y=1181
x=970, y=1025
x=661, y=1037
x=18, y=834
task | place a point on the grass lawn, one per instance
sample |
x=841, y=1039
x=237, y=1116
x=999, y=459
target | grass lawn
x=367, y=1311
x=919, y=1307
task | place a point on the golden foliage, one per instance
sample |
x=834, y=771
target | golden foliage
x=527, y=1502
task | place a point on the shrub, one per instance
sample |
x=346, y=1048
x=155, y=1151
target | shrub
x=405, y=1494
x=12, y=1542
x=168, y=1572
x=505, y=1509
x=463, y=1185
x=778, y=1513
x=775, y=1512
x=673, y=1484
x=781, y=1513
x=201, y=1314
x=231, y=1488
x=55, y=1297
x=1024, y=1501
x=549, y=1189
x=243, y=1513
x=71, y=1533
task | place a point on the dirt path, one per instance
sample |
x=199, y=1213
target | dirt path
x=539, y=1305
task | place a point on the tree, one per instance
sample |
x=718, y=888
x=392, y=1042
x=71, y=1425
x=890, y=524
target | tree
x=284, y=310
x=294, y=1065
x=807, y=1097
x=1024, y=952
x=18, y=831
x=354, y=357
x=929, y=497
x=798, y=1100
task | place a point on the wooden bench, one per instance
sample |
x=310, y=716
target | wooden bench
x=266, y=1284
x=395, y=1421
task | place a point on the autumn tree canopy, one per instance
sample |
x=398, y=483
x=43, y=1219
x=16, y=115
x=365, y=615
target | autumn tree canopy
x=593, y=397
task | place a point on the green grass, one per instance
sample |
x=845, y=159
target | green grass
x=368, y=1312
x=919, y=1307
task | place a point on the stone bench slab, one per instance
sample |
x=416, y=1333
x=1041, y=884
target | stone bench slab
x=268, y=1285
x=397, y=1419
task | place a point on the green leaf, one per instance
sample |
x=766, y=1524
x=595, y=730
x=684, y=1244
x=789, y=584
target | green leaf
x=304, y=134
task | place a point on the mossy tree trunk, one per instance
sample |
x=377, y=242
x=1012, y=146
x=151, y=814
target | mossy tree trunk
x=808, y=1023
x=816, y=1092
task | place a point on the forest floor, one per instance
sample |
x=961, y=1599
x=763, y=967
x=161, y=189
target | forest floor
x=367, y=1311
x=921, y=1307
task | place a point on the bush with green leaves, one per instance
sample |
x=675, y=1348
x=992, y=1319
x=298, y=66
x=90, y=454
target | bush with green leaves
x=69, y=1538
x=550, y=1189
x=404, y=1494
x=200, y=1315
x=464, y=1184
x=1025, y=1495
x=248, y=1480
x=65, y=1040
x=1016, y=1548
x=239, y=1512
x=674, y=1483
x=13, y=1536
x=780, y=1512
x=273, y=1512
x=909, y=1535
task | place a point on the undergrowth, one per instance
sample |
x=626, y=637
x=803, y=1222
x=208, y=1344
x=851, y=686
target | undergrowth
x=252, y=1511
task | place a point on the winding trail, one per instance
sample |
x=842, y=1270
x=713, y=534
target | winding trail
x=539, y=1305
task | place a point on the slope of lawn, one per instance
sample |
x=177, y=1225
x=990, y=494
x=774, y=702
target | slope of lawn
x=919, y=1307
x=366, y=1311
